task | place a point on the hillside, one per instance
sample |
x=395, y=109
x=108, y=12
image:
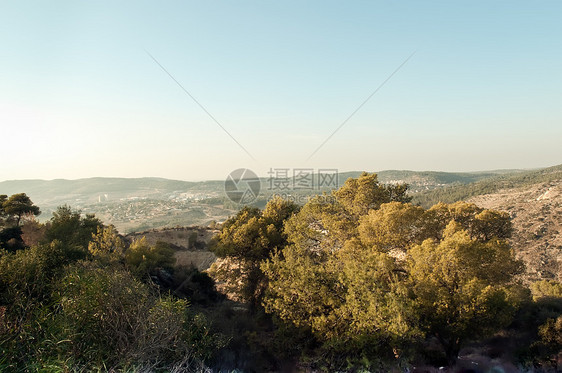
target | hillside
x=536, y=213
x=534, y=201
x=492, y=184
x=130, y=204
x=145, y=203
x=532, y=198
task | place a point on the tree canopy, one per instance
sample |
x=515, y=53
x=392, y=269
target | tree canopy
x=244, y=241
x=18, y=206
x=372, y=270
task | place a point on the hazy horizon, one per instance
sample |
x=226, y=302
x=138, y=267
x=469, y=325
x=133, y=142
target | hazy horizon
x=265, y=175
x=193, y=90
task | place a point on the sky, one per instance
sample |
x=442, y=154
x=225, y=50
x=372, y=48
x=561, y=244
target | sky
x=192, y=90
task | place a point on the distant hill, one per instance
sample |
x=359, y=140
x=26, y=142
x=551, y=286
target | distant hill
x=92, y=189
x=133, y=204
x=495, y=183
x=130, y=204
x=533, y=198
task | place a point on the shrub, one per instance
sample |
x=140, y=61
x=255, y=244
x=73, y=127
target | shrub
x=145, y=260
x=112, y=318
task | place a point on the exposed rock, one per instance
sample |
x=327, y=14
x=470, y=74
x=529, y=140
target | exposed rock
x=537, y=221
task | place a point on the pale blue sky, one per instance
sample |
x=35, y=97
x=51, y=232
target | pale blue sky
x=80, y=97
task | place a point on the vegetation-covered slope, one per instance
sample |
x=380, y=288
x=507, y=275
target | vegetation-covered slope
x=488, y=185
x=361, y=281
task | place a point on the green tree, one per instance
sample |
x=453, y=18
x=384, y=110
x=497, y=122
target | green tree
x=365, y=193
x=144, y=260
x=546, y=289
x=247, y=239
x=368, y=271
x=106, y=245
x=12, y=210
x=462, y=288
x=321, y=225
x=69, y=227
x=481, y=224
x=550, y=343
x=352, y=297
x=327, y=223
x=18, y=206
x=11, y=239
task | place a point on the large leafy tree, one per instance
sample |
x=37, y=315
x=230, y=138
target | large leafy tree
x=18, y=206
x=394, y=225
x=462, y=287
x=363, y=270
x=12, y=210
x=480, y=223
x=107, y=245
x=244, y=241
x=352, y=300
x=72, y=229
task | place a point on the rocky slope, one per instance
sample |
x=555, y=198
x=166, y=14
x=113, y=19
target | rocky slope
x=536, y=213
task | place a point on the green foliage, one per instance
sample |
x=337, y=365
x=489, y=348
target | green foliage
x=60, y=314
x=358, y=196
x=12, y=210
x=394, y=225
x=18, y=206
x=73, y=230
x=106, y=245
x=3, y=215
x=11, y=239
x=26, y=274
x=481, y=224
x=353, y=297
x=370, y=271
x=145, y=260
x=456, y=193
x=113, y=319
x=26, y=283
x=550, y=334
x=546, y=289
x=253, y=234
x=321, y=225
x=240, y=236
x=247, y=239
x=358, y=278
x=461, y=287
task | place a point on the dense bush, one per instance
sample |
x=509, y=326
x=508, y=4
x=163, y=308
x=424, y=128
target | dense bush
x=116, y=320
x=80, y=301
x=144, y=260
